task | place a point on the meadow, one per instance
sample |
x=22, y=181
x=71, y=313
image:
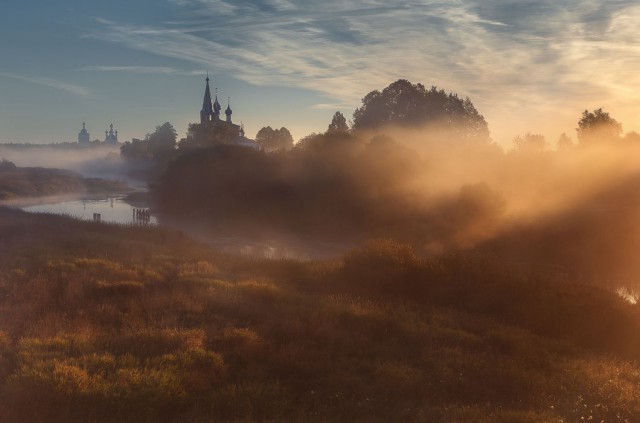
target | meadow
x=105, y=323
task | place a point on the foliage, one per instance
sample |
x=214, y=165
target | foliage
x=135, y=149
x=529, y=143
x=333, y=186
x=564, y=142
x=338, y=124
x=204, y=135
x=632, y=136
x=322, y=189
x=162, y=142
x=6, y=165
x=406, y=104
x=270, y=139
x=159, y=145
x=598, y=126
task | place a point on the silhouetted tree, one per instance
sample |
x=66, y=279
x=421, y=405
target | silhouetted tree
x=162, y=142
x=306, y=140
x=270, y=139
x=7, y=165
x=407, y=104
x=529, y=143
x=598, y=126
x=206, y=135
x=564, y=142
x=338, y=124
x=135, y=149
x=633, y=137
x=159, y=145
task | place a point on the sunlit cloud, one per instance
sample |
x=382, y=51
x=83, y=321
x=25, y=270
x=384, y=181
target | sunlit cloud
x=330, y=106
x=47, y=82
x=506, y=57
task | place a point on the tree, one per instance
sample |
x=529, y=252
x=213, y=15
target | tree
x=338, y=124
x=270, y=139
x=529, y=143
x=206, y=135
x=633, y=137
x=162, y=142
x=407, y=104
x=307, y=140
x=135, y=149
x=564, y=142
x=159, y=145
x=598, y=126
x=7, y=165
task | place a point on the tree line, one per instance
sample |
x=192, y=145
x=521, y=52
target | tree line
x=401, y=104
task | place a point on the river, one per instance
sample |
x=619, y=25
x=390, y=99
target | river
x=109, y=209
x=117, y=209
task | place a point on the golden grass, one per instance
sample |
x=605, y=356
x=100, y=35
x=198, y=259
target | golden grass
x=172, y=331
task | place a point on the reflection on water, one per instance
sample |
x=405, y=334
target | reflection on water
x=112, y=210
x=117, y=210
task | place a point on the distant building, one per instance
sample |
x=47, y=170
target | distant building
x=210, y=115
x=83, y=136
x=111, y=137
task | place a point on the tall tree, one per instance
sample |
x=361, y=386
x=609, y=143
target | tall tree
x=338, y=124
x=406, y=104
x=598, y=126
x=564, y=142
x=162, y=142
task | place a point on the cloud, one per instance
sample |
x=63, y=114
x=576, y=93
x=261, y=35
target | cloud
x=504, y=55
x=330, y=106
x=158, y=70
x=47, y=82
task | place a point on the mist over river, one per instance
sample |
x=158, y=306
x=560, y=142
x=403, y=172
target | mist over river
x=120, y=209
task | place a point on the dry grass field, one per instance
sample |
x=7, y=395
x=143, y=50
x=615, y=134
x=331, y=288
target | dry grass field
x=102, y=323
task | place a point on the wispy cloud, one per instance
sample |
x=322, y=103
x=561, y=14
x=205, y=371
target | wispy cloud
x=504, y=55
x=47, y=82
x=156, y=70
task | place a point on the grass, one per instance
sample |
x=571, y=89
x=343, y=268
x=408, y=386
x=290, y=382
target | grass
x=103, y=323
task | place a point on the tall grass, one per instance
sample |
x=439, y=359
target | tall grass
x=109, y=324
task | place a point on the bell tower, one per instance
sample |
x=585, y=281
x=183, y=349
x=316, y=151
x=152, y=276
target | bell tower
x=206, y=114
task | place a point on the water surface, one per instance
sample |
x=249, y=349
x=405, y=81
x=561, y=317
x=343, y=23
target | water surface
x=110, y=209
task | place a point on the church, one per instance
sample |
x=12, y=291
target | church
x=83, y=136
x=210, y=115
x=110, y=136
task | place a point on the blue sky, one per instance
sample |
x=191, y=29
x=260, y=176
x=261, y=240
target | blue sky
x=526, y=65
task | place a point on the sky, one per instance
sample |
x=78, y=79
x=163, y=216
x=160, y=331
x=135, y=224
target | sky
x=527, y=66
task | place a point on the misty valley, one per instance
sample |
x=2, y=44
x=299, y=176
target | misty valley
x=401, y=266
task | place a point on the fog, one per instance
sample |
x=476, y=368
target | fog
x=90, y=162
x=101, y=161
x=574, y=209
